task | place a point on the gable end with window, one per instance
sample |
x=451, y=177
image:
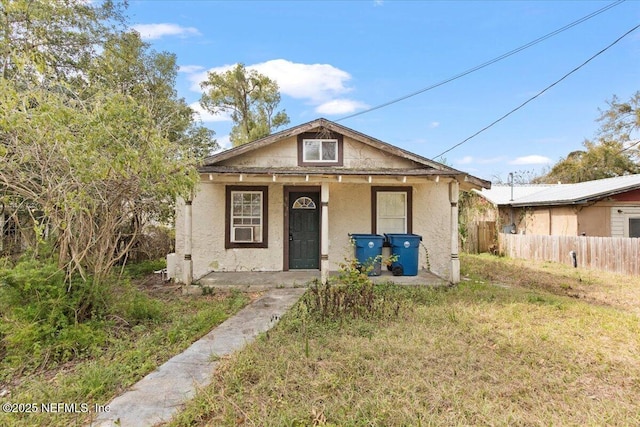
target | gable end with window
x=320, y=149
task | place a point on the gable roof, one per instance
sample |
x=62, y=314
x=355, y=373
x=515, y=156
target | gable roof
x=561, y=194
x=427, y=166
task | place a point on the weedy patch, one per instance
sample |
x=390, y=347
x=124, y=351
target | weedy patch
x=351, y=294
x=142, y=329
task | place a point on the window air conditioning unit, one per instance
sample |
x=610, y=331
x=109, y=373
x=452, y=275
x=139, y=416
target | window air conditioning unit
x=243, y=234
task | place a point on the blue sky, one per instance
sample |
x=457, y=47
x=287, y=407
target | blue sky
x=335, y=58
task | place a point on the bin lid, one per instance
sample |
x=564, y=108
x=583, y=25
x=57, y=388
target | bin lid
x=406, y=236
x=367, y=240
x=404, y=239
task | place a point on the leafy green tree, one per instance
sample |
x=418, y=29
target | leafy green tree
x=92, y=133
x=614, y=152
x=604, y=159
x=97, y=168
x=249, y=97
x=53, y=36
x=621, y=121
x=128, y=66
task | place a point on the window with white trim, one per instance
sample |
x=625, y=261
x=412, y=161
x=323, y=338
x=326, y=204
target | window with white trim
x=320, y=150
x=246, y=216
x=391, y=215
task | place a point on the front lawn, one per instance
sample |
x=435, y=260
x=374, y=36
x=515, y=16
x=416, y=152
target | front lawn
x=515, y=343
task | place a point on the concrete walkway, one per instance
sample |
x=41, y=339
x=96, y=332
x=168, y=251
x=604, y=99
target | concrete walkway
x=159, y=395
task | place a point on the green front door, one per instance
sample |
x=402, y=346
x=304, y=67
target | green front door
x=304, y=230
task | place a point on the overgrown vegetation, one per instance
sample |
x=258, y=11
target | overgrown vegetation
x=55, y=349
x=95, y=144
x=485, y=352
x=351, y=294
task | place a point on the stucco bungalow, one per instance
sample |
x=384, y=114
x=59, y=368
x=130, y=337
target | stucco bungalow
x=289, y=201
x=606, y=208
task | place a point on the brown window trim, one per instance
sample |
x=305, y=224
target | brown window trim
x=314, y=135
x=374, y=205
x=228, y=244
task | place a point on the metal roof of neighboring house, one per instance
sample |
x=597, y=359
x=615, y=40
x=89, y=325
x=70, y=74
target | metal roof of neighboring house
x=501, y=194
x=561, y=194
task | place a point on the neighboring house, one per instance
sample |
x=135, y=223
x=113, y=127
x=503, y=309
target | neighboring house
x=288, y=201
x=605, y=207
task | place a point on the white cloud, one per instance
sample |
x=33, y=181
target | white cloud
x=316, y=82
x=156, y=31
x=434, y=125
x=207, y=117
x=340, y=106
x=533, y=159
x=190, y=69
x=224, y=142
x=321, y=85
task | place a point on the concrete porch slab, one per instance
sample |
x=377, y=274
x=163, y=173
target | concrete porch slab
x=262, y=280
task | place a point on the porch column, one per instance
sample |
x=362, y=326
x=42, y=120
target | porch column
x=324, y=233
x=455, y=261
x=187, y=267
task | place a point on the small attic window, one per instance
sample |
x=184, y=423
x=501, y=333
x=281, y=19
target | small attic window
x=320, y=149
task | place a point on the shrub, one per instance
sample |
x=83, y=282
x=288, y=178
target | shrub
x=43, y=314
x=352, y=294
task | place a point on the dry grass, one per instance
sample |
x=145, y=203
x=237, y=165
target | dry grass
x=475, y=354
x=597, y=287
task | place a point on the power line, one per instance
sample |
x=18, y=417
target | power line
x=486, y=64
x=541, y=92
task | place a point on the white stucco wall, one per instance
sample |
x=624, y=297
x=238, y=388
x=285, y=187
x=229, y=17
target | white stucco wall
x=349, y=212
x=432, y=220
x=208, y=247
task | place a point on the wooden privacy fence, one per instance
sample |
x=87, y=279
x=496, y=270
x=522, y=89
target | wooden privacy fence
x=480, y=237
x=614, y=254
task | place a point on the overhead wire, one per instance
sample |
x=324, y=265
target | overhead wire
x=541, y=92
x=486, y=64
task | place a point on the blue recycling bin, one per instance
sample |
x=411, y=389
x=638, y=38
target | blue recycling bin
x=369, y=250
x=406, y=248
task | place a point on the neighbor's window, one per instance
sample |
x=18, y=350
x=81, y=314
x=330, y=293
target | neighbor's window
x=320, y=150
x=246, y=217
x=391, y=209
x=634, y=227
